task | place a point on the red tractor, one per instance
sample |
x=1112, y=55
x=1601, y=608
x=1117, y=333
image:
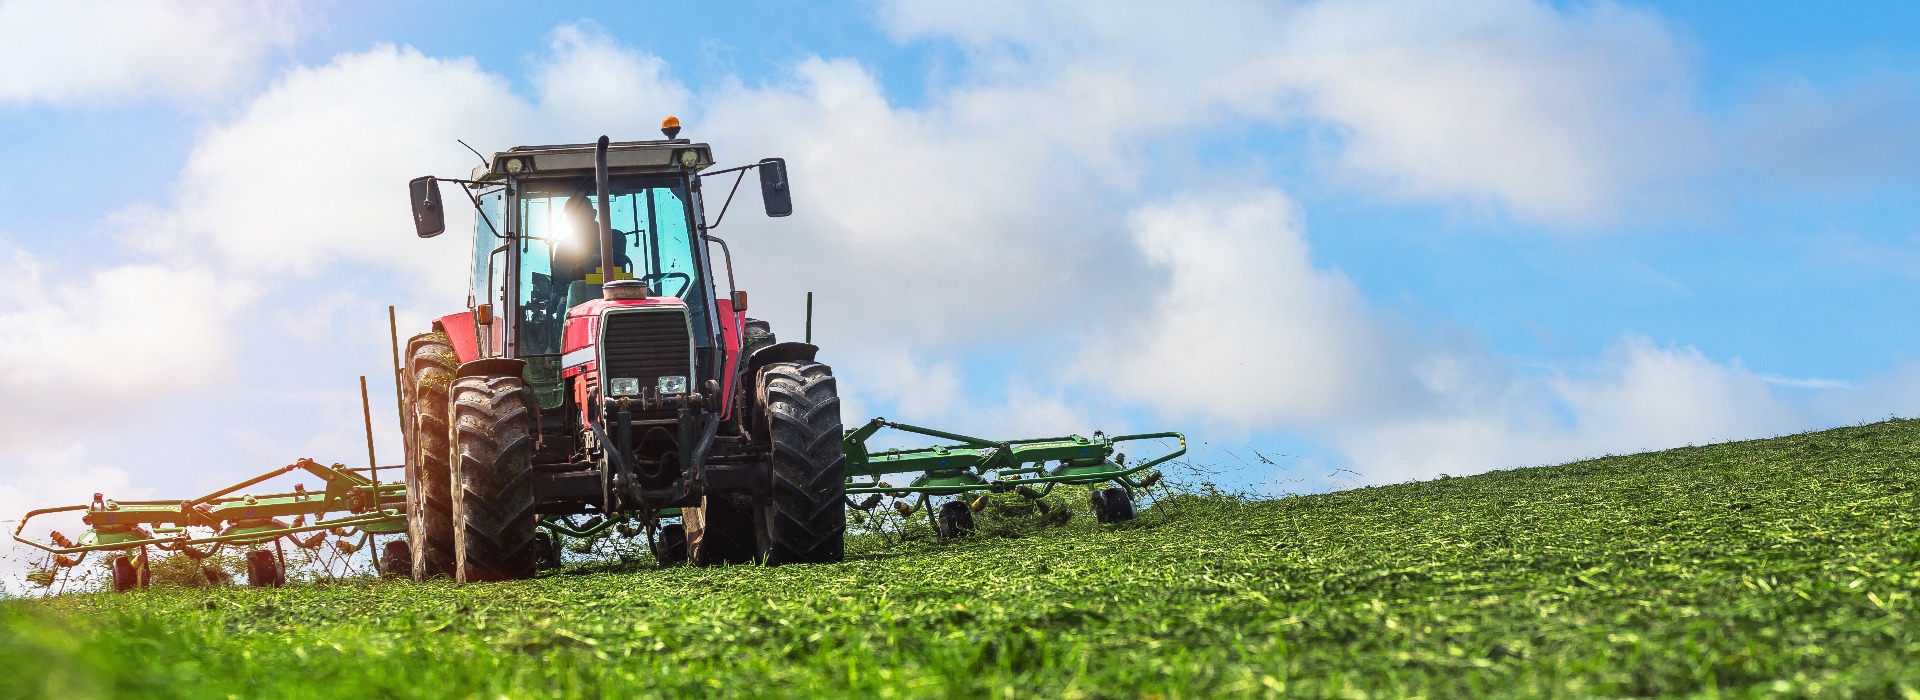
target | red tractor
x=600, y=370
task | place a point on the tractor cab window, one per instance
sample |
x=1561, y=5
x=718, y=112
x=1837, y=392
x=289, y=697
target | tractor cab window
x=560, y=263
x=486, y=243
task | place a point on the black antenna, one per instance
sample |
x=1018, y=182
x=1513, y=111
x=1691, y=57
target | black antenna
x=476, y=154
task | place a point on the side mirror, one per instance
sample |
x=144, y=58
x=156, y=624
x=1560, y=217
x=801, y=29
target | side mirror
x=429, y=219
x=773, y=187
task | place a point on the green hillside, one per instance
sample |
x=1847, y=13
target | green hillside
x=1782, y=566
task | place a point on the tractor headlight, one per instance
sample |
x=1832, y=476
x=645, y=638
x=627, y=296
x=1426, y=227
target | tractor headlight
x=514, y=165
x=673, y=385
x=623, y=387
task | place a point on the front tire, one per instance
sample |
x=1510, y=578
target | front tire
x=806, y=520
x=430, y=368
x=493, y=504
x=671, y=550
x=719, y=531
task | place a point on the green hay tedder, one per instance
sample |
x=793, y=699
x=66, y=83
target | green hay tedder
x=199, y=528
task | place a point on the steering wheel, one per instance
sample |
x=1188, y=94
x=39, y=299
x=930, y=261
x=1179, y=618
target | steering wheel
x=686, y=282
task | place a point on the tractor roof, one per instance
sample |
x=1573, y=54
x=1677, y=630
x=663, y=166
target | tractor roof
x=622, y=157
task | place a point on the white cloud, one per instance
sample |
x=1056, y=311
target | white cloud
x=1563, y=117
x=1250, y=334
x=913, y=389
x=933, y=222
x=75, y=347
x=590, y=84
x=64, y=51
x=1246, y=328
x=313, y=171
x=286, y=226
x=1639, y=397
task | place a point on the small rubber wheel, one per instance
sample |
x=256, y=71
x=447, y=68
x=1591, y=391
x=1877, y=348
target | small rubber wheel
x=263, y=570
x=126, y=576
x=671, y=550
x=546, y=552
x=1113, y=505
x=396, y=558
x=954, y=521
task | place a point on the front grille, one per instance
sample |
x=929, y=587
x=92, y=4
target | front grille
x=647, y=345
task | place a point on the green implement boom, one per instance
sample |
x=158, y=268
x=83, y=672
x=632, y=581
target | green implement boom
x=978, y=465
x=221, y=518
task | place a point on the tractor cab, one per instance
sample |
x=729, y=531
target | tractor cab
x=539, y=240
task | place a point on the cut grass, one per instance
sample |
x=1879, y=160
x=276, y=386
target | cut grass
x=1783, y=566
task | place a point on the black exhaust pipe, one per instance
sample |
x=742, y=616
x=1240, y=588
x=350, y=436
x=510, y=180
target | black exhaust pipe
x=607, y=266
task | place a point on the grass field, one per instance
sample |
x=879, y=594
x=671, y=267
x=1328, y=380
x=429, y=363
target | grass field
x=1774, y=567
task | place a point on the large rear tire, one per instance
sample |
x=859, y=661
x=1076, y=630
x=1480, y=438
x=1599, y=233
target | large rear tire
x=430, y=367
x=493, y=505
x=806, y=520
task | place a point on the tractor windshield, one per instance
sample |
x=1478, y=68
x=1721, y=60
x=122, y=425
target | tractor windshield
x=560, y=254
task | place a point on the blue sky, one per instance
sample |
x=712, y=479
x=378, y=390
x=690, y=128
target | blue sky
x=1374, y=241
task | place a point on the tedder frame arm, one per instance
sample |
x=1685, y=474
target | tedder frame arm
x=245, y=520
x=978, y=464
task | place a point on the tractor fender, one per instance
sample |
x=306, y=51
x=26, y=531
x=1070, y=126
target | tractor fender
x=491, y=367
x=778, y=352
x=462, y=334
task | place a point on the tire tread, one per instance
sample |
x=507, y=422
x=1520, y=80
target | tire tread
x=492, y=438
x=807, y=519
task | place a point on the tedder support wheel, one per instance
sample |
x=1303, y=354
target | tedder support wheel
x=806, y=520
x=955, y=520
x=430, y=367
x=396, y=558
x=671, y=550
x=493, y=518
x=718, y=531
x=264, y=570
x=126, y=574
x=1112, y=505
x=546, y=553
